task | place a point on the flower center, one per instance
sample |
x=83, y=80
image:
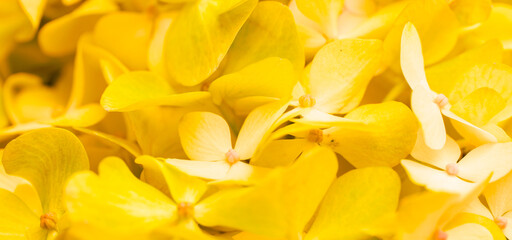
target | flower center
x=185, y=209
x=441, y=100
x=48, y=221
x=306, y=101
x=440, y=235
x=452, y=169
x=315, y=135
x=232, y=157
x=501, y=222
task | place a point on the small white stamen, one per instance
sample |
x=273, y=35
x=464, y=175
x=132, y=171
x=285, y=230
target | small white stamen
x=441, y=100
x=232, y=157
x=452, y=169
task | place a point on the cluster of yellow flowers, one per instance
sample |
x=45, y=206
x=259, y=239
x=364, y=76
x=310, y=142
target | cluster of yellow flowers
x=247, y=119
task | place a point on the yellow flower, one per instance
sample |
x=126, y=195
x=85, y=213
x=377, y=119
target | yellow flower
x=46, y=158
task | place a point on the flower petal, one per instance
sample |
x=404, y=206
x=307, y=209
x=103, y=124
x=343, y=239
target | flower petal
x=339, y=90
x=46, y=158
x=205, y=136
x=271, y=77
x=270, y=31
x=375, y=189
x=495, y=158
x=411, y=59
x=133, y=207
x=200, y=37
x=389, y=135
x=434, y=179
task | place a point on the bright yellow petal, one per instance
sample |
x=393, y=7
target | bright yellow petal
x=390, y=135
x=136, y=90
x=133, y=49
x=271, y=77
x=377, y=25
x=497, y=26
x=46, y=158
x=124, y=143
x=324, y=12
x=441, y=76
x=83, y=116
x=257, y=127
x=480, y=106
x=339, y=90
x=183, y=187
x=278, y=38
x=418, y=214
x=205, y=136
x=18, y=222
x=200, y=37
x=60, y=37
x=495, y=158
x=374, y=189
x=116, y=201
x=437, y=27
x=278, y=206
x=281, y=152
x=470, y=12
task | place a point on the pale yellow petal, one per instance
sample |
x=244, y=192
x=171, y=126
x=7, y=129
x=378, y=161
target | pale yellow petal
x=434, y=179
x=46, y=158
x=205, y=136
x=495, y=158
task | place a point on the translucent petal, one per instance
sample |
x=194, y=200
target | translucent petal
x=442, y=77
x=271, y=77
x=475, y=135
x=257, y=127
x=495, y=158
x=46, y=158
x=434, y=179
x=133, y=207
x=205, y=136
x=270, y=31
x=480, y=106
x=430, y=118
x=374, y=189
x=278, y=206
x=200, y=37
x=411, y=59
x=183, y=187
x=449, y=153
x=136, y=90
x=203, y=169
x=389, y=135
x=339, y=90
x=470, y=231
